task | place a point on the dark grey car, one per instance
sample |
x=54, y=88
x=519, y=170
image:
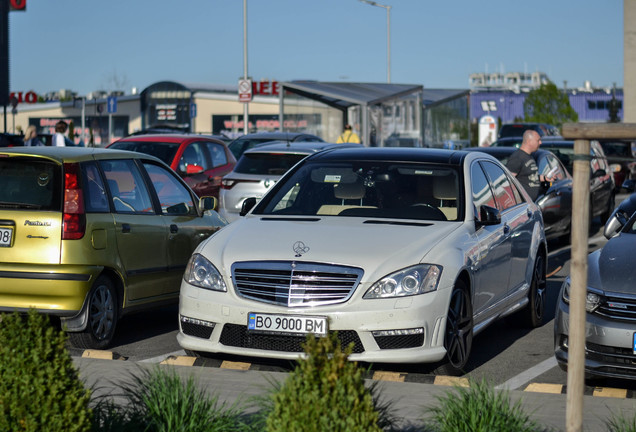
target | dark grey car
x=610, y=346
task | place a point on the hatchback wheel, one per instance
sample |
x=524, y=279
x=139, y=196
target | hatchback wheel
x=102, y=317
x=458, y=339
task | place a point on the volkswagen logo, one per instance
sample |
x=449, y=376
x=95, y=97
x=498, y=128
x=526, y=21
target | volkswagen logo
x=300, y=248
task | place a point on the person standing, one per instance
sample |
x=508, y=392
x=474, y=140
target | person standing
x=59, y=140
x=348, y=136
x=31, y=137
x=523, y=166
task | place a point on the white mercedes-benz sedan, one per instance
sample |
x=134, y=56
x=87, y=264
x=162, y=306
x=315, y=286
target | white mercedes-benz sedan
x=406, y=253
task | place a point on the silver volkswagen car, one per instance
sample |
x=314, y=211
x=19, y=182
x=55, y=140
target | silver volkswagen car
x=406, y=252
x=259, y=168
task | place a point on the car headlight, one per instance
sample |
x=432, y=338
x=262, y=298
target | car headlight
x=201, y=273
x=592, y=299
x=414, y=280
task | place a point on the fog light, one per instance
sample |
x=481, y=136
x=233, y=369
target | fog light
x=399, y=332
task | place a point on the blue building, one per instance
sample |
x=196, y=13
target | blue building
x=591, y=105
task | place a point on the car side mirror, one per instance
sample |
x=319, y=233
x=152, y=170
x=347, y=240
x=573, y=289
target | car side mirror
x=614, y=224
x=207, y=203
x=248, y=205
x=193, y=169
x=488, y=216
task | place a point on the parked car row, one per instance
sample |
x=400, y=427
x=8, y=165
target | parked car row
x=399, y=250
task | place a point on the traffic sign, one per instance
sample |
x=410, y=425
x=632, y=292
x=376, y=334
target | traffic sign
x=112, y=104
x=245, y=90
x=193, y=110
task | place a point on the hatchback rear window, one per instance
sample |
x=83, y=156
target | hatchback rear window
x=30, y=184
x=267, y=163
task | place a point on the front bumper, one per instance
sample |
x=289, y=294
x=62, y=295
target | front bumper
x=355, y=321
x=609, y=344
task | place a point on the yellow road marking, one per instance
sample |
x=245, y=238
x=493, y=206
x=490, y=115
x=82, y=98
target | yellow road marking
x=179, y=361
x=388, y=376
x=451, y=381
x=235, y=365
x=98, y=354
x=544, y=388
x=610, y=392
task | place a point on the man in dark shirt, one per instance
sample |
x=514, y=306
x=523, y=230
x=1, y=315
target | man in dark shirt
x=522, y=165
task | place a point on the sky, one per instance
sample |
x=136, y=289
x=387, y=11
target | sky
x=90, y=45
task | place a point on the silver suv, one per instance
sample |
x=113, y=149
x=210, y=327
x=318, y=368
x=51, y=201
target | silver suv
x=259, y=168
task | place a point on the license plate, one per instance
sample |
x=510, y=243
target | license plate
x=6, y=234
x=634, y=344
x=286, y=324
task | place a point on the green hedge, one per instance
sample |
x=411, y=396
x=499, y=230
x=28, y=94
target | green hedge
x=40, y=389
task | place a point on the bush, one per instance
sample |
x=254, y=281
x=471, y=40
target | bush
x=621, y=423
x=480, y=408
x=40, y=389
x=325, y=392
x=158, y=401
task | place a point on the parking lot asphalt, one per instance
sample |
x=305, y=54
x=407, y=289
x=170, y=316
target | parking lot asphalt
x=232, y=381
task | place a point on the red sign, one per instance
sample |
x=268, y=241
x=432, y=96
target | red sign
x=29, y=97
x=269, y=88
x=17, y=5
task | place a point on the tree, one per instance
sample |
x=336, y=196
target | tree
x=548, y=104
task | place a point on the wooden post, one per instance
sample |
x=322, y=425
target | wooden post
x=581, y=133
x=578, y=286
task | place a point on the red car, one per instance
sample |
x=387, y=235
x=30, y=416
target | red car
x=201, y=161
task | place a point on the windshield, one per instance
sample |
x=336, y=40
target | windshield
x=368, y=189
x=162, y=150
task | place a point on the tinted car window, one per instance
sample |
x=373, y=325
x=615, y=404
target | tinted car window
x=482, y=195
x=95, y=199
x=504, y=192
x=127, y=189
x=193, y=155
x=29, y=184
x=173, y=196
x=267, y=163
x=162, y=150
x=217, y=154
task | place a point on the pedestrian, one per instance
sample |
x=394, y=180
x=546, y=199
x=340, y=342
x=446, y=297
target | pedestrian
x=348, y=136
x=59, y=140
x=31, y=137
x=523, y=166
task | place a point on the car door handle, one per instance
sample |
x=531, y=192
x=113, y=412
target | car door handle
x=125, y=228
x=174, y=229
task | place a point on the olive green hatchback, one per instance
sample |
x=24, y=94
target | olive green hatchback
x=89, y=235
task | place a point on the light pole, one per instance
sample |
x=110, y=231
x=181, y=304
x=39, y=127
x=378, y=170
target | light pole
x=388, y=36
x=245, y=107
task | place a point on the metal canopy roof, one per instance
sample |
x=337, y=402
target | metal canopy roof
x=344, y=95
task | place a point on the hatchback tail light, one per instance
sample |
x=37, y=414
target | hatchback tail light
x=74, y=218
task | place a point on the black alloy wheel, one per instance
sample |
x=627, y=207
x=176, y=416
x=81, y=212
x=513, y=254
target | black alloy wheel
x=458, y=339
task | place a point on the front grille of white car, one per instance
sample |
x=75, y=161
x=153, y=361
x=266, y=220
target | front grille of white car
x=295, y=284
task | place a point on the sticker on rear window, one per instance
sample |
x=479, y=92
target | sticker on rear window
x=332, y=178
x=43, y=179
